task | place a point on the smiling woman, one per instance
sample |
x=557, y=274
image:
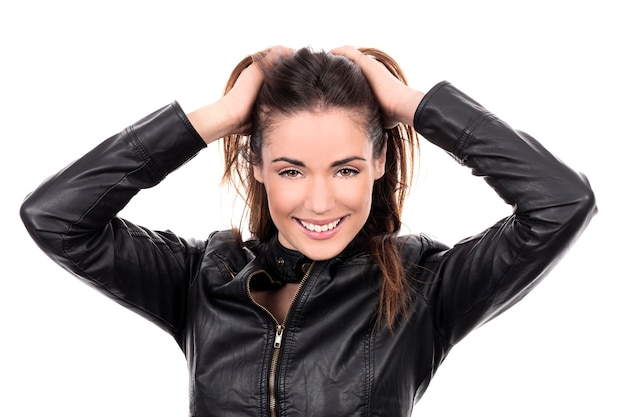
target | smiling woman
x=322, y=105
x=326, y=310
x=320, y=193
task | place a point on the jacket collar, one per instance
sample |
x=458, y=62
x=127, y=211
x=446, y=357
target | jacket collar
x=283, y=264
x=289, y=266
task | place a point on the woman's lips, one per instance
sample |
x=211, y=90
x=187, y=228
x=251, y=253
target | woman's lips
x=321, y=230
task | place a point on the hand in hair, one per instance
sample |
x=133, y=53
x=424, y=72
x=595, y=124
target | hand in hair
x=397, y=100
x=231, y=114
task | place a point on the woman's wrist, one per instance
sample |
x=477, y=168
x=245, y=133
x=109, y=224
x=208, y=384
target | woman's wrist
x=211, y=122
x=407, y=105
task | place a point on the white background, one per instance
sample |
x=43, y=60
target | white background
x=75, y=72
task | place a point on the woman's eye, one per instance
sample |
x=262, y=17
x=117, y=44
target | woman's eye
x=347, y=172
x=290, y=173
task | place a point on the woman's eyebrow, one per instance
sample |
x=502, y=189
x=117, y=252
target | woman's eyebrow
x=334, y=164
x=289, y=160
x=347, y=160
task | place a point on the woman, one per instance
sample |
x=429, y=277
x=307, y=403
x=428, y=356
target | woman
x=326, y=311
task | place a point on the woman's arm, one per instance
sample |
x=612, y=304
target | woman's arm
x=486, y=274
x=482, y=276
x=72, y=216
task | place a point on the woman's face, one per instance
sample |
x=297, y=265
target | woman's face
x=318, y=170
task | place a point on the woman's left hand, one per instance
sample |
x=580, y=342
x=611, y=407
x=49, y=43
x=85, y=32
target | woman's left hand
x=398, y=101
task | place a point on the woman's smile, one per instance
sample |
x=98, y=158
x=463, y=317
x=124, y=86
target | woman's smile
x=321, y=229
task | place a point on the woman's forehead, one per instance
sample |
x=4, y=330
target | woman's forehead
x=329, y=130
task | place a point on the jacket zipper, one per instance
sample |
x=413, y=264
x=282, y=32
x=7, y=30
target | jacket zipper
x=278, y=337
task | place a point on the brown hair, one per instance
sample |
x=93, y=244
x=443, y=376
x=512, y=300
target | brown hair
x=307, y=81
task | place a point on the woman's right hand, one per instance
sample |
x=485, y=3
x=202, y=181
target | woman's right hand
x=397, y=101
x=231, y=114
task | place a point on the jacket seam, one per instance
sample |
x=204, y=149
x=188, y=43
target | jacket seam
x=429, y=243
x=285, y=357
x=467, y=134
x=494, y=289
x=137, y=145
x=66, y=251
x=185, y=120
x=370, y=370
x=464, y=139
x=423, y=103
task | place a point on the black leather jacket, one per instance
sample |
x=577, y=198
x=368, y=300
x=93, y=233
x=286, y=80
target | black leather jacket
x=328, y=358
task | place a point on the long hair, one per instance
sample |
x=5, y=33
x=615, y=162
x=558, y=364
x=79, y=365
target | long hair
x=310, y=81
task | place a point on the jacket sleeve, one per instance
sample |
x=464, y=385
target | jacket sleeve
x=72, y=218
x=484, y=275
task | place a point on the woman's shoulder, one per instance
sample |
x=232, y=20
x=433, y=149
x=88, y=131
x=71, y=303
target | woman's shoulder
x=228, y=244
x=420, y=248
x=421, y=256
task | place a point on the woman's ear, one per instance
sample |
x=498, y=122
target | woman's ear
x=258, y=173
x=379, y=163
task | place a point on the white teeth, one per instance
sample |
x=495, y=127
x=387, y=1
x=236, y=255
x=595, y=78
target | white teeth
x=320, y=228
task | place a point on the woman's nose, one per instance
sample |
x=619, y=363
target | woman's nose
x=320, y=197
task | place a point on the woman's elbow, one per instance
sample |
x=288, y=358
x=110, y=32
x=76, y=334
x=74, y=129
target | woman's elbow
x=39, y=224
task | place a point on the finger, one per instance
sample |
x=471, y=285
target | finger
x=263, y=60
x=349, y=52
x=271, y=55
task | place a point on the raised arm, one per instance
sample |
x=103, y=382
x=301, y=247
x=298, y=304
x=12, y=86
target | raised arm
x=483, y=275
x=72, y=216
x=486, y=274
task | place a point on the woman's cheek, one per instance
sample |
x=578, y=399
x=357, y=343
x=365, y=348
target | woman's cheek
x=284, y=196
x=356, y=194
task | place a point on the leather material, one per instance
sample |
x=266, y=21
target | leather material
x=332, y=359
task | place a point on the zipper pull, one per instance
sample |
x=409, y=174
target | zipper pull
x=279, y=336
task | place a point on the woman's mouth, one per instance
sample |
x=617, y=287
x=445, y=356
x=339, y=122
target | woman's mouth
x=320, y=227
x=319, y=230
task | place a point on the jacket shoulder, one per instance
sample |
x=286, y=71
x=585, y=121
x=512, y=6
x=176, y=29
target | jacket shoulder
x=227, y=247
x=420, y=247
x=420, y=253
